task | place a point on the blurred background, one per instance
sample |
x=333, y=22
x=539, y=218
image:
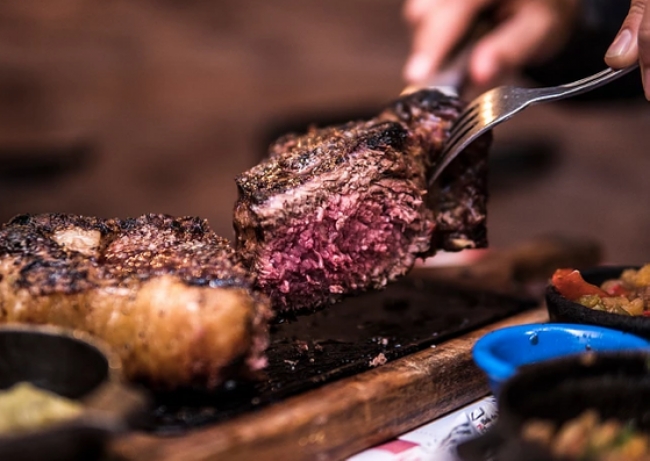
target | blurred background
x=127, y=107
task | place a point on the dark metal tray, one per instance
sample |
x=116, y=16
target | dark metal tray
x=342, y=340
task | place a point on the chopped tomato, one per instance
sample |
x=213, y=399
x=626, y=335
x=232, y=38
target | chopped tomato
x=615, y=288
x=646, y=313
x=571, y=285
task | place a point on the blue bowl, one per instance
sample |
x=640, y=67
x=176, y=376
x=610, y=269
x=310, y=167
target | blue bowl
x=501, y=352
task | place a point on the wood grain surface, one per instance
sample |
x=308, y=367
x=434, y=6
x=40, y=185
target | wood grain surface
x=340, y=419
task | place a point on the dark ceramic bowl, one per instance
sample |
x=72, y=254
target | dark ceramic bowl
x=616, y=384
x=72, y=365
x=561, y=309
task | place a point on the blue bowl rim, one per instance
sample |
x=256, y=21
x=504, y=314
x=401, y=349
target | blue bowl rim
x=499, y=369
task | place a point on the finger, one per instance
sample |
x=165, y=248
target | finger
x=436, y=34
x=514, y=43
x=644, y=50
x=624, y=50
x=415, y=10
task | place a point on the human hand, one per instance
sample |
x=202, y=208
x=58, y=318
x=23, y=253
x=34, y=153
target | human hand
x=527, y=31
x=632, y=42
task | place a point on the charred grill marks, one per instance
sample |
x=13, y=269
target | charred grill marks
x=127, y=250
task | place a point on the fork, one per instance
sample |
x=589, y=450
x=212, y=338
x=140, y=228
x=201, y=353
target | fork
x=499, y=104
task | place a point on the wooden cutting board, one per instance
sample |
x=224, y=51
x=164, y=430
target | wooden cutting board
x=339, y=419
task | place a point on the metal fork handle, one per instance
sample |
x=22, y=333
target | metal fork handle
x=514, y=100
x=555, y=93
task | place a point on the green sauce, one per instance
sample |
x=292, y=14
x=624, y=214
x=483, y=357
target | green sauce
x=25, y=407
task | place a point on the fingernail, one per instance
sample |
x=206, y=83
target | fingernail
x=483, y=69
x=417, y=68
x=621, y=44
x=485, y=73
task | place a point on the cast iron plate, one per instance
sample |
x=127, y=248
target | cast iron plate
x=342, y=340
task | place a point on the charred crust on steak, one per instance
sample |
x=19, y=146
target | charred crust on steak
x=128, y=250
x=424, y=104
x=426, y=116
x=315, y=153
x=186, y=247
x=459, y=196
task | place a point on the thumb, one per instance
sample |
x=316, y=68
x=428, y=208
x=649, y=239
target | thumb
x=624, y=50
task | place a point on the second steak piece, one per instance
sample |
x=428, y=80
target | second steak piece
x=344, y=209
x=167, y=294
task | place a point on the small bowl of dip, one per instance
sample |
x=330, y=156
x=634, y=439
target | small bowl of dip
x=500, y=353
x=61, y=395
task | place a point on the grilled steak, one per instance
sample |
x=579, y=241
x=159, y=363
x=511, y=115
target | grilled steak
x=347, y=208
x=166, y=293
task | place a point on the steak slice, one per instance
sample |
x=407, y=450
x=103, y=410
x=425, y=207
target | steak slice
x=167, y=294
x=344, y=209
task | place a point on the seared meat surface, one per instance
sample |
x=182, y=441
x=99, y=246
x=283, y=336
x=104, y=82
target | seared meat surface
x=166, y=293
x=459, y=196
x=348, y=208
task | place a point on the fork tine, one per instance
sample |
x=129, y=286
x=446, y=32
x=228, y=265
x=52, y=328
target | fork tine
x=458, y=139
x=460, y=127
x=469, y=110
x=462, y=142
x=451, y=143
x=455, y=146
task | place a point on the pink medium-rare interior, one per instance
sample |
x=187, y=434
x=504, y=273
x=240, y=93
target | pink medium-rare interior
x=344, y=244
